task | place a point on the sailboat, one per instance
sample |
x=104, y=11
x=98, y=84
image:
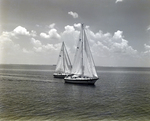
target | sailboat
x=83, y=69
x=63, y=66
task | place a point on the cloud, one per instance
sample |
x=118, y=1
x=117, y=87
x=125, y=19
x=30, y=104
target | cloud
x=77, y=25
x=73, y=14
x=144, y=57
x=52, y=34
x=8, y=48
x=44, y=35
x=147, y=47
x=105, y=46
x=147, y=50
x=33, y=33
x=148, y=28
x=21, y=30
x=118, y=34
x=111, y=48
x=23, y=51
x=70, y=36
x=69, y=28
x=51, y=26
x=38, y=47
x=7, y=45
x=111, y=44
x=114, y=43
x=35, y=42
x=119, y=1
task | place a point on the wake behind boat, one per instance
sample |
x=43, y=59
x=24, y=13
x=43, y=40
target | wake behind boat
x=63, y=66
x=83, y=70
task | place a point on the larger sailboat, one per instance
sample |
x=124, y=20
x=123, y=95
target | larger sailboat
x=83, y=70
x=63, y=66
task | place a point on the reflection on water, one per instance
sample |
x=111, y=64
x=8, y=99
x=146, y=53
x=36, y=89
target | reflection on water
x=36, y=95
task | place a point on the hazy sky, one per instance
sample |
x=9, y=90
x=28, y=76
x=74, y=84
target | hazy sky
x=32, y=30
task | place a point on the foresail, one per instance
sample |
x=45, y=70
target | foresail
x=67, y=62
x=77, y=65
x=88, y=62
x=63, y=63
x=60, y=65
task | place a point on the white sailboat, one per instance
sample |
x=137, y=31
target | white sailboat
x=83, y=70
x=63, y=66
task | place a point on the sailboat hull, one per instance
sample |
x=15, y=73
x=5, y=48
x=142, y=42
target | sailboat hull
x=89, y=81
x=61, y=76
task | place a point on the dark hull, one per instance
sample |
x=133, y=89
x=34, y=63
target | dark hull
x=59, y=76
x=81, y=81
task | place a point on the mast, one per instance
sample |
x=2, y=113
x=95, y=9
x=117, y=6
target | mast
x=82, y=67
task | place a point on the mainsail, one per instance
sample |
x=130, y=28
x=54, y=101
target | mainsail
x=83, y=62
x=63, y=63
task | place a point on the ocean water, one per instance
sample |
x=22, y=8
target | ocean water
x=30, y=93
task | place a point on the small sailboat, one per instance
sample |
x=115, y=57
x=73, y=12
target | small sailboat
x=63, y=66
x=83, y=69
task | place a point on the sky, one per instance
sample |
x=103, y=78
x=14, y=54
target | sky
x=118, y=31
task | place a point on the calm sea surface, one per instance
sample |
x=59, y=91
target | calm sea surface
x=30, y=93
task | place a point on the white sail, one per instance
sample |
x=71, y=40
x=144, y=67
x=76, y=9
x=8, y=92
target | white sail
x=89, y=63
x=83, y=62
x=63, y=63
x=77, y=65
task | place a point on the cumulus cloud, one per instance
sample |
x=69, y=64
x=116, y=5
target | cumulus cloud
x=21, y=30
x=35, y=42
x=73, y=14
x=113, y=47
x=44, y=35
x=52, y=34
x=147, y=47
x=77, y=25
x=116, y=43
x=44, y=48
x=70, y=36
x=110, y=48
x=147, y=50
x=119, y=1
x=7, y=45
x=118, y=34
x=103, y=45
x=14, y=51
x=69, y=28
x=145, y=56
x=8, y=48
x=51, y=26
